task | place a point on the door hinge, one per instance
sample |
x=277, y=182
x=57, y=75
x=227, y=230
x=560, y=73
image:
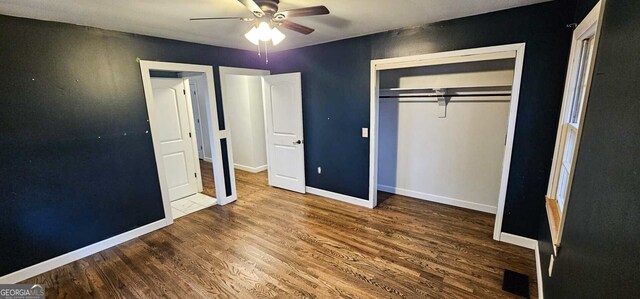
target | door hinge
x=184, y=91
x=189, y=134
x=195, y=174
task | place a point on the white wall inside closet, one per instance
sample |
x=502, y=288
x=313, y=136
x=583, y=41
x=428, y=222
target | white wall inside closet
x=242, y=100
x=457, y=159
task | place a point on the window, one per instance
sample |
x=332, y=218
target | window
x=571, y=121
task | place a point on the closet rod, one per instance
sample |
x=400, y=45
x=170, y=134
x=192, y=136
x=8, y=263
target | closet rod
x=446, y=95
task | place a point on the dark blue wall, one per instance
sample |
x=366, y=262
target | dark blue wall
x=335, y=104
x=69, y=175
x=599, y=255
x=335, y=83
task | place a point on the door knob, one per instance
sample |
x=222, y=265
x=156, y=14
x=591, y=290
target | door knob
x=297, y=142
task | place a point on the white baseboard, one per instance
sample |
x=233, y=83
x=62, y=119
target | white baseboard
x=518, y=240
x=539, y=272
x=341, y=197
x=250, y=169
x=208, y=159
x=440, y=199
x=75, y=255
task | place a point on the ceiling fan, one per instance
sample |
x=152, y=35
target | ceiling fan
x=268, y=18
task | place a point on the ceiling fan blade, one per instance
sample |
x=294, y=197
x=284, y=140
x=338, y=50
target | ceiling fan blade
x=253, y=7
x=296, y=27
x=302, y=12
x=223, y=18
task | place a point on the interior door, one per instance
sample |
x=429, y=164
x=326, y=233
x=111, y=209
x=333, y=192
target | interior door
x=174, y=132
x=283, y=125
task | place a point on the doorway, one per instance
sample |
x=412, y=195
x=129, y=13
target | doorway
x=263, y=114
x=189, y=148
x=442, y=94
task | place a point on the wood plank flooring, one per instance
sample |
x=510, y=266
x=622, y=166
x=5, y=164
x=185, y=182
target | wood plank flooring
x=275, y=243
x=206, y=171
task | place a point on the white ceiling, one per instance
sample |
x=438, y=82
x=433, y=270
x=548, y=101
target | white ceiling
x=170, y=18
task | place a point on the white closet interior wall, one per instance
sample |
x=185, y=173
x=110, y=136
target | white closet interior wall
x=243, y=107
x=455, y=160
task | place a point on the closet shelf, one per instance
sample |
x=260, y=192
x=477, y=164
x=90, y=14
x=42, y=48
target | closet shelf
x=446, y=87
x=432, y=90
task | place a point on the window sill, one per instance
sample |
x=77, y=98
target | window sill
x=553, y=214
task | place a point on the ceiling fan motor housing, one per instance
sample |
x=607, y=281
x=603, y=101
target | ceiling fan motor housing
x=269, y=7
x=266, y=11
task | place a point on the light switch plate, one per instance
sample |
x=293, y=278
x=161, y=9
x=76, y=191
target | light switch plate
x=365, y=132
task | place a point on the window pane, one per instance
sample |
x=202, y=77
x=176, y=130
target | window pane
x=581, y=81
x=569, y=145
x=562, y=187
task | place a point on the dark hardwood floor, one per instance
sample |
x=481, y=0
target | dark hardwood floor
x=206, y=171
x=275, y=243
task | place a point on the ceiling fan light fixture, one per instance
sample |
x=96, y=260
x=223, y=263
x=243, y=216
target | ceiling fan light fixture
x=268, y=17
x=276, y=36
x=253, y=36
x=264, y=31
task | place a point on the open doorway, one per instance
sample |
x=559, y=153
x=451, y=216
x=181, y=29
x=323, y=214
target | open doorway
x=202, y=124
x=177, y=109
x=187, y=144
x=242, y=100
x=464, y=105
x=263, y=114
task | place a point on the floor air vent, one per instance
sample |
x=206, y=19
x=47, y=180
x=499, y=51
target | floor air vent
x=516, y=283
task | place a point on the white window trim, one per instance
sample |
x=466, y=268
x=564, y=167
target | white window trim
x=588, y=28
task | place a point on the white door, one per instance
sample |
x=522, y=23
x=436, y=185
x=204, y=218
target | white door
x=195, y=103
x=174, y=131
x=283, y=125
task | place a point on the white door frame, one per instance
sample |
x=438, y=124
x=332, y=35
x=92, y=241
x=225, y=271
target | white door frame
x=215, y=133
x=477, y=54
x=226, y=70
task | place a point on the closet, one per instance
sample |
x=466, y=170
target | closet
x=442, y=130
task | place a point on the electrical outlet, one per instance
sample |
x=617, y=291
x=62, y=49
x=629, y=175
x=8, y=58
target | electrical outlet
x=551, y=265
x=365, y=132
x=319, y=170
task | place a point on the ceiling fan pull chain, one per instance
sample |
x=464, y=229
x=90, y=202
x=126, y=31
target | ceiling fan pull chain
x=259, y=50
x=266, y=54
